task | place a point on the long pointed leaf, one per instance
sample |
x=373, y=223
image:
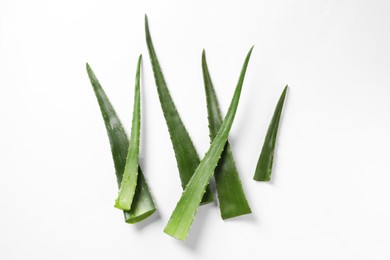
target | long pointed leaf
x=231, y=196
x=142, y=205
x=265, y=162
x=130, y=174
x=183, y=216
x=186, y=156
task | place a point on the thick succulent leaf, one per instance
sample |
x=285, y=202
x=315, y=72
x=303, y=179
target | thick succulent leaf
x=186, y=156
x=142, y=205
x=183, y=216
x=130, y=174
x=265, y=162
x=231, y=196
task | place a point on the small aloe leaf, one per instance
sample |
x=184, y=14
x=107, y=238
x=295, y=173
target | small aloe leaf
x=130, y=174
x=231, y=196
x=186, y=156
x=265, y=162
x=183, y=215
x=142, y=205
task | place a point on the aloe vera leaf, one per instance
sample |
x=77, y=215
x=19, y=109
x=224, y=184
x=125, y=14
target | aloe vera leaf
x=186, y=156
x=183, y=215
x=130, y=174
x=231, y=196
x=143, y=205
x=264, y=165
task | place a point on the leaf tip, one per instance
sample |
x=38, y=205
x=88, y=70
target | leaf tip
x=90, y=72
x=87, y=67
x=249, y=53
x=146, y=22
x=284, y=91
x=203, y=56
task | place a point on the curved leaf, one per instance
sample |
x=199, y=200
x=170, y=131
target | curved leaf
x=130, y=174
x=265, y=162
x=186, y=156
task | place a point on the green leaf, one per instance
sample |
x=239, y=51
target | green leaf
x=142, y=205
x=183, y=216
x=264, y=165
x=231, y=196
x=186, y=156
x=130, y=174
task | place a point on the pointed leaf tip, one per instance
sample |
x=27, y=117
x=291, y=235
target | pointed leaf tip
x=251, y=49
x=146, y=21
x=88, y=67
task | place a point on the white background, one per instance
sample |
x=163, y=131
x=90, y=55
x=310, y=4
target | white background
x=330, y=191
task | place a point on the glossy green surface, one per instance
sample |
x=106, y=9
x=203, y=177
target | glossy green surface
x=265, y=162
x=183, y=216
x=142, y=205
x=130, y=174
x=231, y=196
x=186, y=156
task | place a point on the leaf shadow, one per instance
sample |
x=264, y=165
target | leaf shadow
x=198, y=227
x=156, y=217
x=144, y=126
x=244, y=218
